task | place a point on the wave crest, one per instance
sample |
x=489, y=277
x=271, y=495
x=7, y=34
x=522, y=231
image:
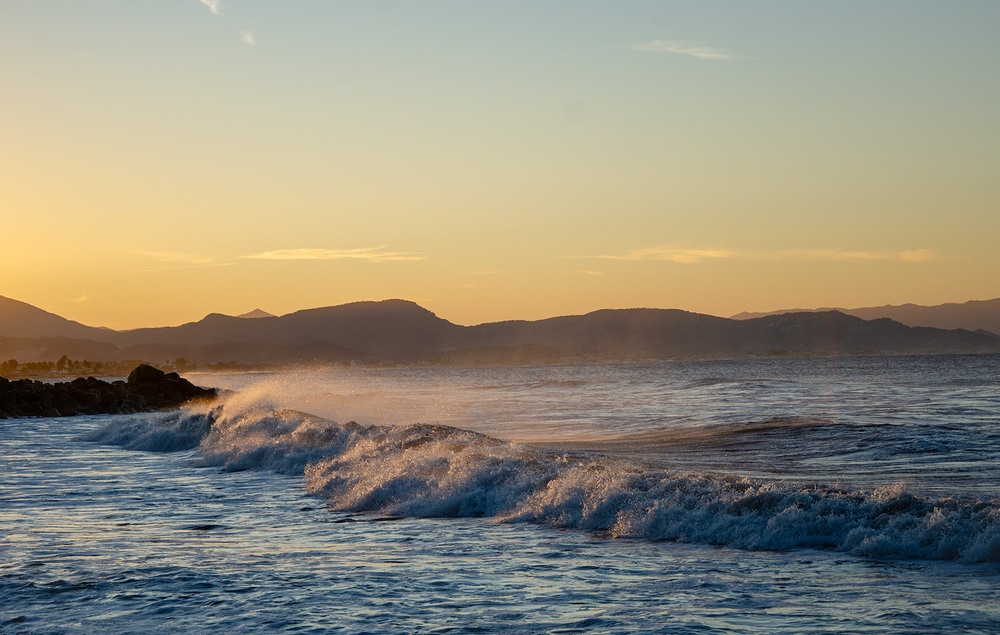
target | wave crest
x=155, y=432
x=440, y=471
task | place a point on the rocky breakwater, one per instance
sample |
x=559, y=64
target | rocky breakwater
x=146, y=389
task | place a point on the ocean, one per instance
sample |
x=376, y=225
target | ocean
x=840, y=495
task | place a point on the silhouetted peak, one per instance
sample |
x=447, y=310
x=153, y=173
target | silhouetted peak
x=19, y=318
x=256, y=313
x=384, y=308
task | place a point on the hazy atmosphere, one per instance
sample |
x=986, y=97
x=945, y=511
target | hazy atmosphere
x=162, y=160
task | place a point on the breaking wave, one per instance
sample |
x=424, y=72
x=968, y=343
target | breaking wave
x=154, y=432
x=441, y=471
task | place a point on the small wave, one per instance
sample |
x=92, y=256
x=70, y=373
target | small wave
x=532, y=385
x=156, y=432
x=441, y=471
x=708, y=382
x=705, y=435
x=557, y=383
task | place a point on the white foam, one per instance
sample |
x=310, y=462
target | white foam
x=441, y=471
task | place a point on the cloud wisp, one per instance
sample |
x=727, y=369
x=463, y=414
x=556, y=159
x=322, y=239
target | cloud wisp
x=906, y=255
x=248, y=38
x=170, y=261
x=213, y=5
x=698, y=256
x=379, y=253
x=669, y=254
x=175, y=257
x=679, y=47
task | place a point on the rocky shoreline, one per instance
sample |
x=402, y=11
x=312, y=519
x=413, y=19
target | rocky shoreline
x=146, y=389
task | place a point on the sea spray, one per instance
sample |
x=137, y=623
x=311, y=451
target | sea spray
x=341, y=394
x=433, y=471
x=440, y=471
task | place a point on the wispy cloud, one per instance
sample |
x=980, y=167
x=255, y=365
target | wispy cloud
x=685, y=256
x=907, y=255
x=247, y=37
x=181, y=258
x=372, y=254
x=213, y=5
x=172, y=260
x=917, y=255
x=696, y=256
x=680, y=47
x=81, y=299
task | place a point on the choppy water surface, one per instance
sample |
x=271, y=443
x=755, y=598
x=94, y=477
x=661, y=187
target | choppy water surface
x=763, y=496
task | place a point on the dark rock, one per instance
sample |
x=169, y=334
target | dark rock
x=146, y=374
x=147, y=389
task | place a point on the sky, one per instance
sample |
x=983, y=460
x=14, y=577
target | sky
x=490, y=161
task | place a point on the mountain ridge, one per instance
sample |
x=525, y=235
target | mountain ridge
x=25, y=320
x=405, y=332
x=972, y=315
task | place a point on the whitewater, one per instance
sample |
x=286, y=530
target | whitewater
x=781, y=495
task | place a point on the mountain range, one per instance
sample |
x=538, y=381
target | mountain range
x=402, y=331
x=976, y=315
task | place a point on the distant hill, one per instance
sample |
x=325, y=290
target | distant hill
x=973, y=316
x=402, y=331
x=618, y=334
x=633, y=334
x=20, y=319
x=390, y=329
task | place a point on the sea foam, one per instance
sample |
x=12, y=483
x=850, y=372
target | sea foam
x=441, y=471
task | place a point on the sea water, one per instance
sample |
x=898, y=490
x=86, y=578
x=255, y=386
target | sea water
x=822, y=495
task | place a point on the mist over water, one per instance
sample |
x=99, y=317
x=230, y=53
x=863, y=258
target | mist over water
x=868, y=422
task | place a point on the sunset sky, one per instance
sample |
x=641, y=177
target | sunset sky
x=163, y=160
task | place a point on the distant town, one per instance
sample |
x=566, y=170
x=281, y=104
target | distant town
x=65, y=368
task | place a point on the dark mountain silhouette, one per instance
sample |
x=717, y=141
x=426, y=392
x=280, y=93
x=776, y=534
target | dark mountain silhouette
x=665, y=334
x=20, y=319
x=974, y=315
x=836, y=333
x=402, y=331
x=391, y=329
x=616, y=334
